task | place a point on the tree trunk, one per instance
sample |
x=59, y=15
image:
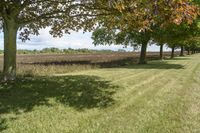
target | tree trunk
x=192, y=51
x=188, y=51
x=172, y=53
x=143, y=54
x=182, y=51
x=10, y=35
x=161, y=51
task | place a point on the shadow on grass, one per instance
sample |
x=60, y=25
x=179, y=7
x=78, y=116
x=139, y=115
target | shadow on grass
x=3, y=125
x=155, y=65
x=179, y=58
x=79, y=92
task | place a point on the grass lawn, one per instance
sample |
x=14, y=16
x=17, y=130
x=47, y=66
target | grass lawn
x=160, y=97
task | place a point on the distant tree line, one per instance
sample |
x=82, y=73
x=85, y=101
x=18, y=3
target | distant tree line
x=63, y=51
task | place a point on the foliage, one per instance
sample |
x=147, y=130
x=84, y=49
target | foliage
x=143, y=14
x=177, y=35
x=31, y=16
x=103, y=36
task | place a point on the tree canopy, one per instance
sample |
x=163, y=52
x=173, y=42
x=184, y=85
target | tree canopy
x=142, y=14
x=32, y=15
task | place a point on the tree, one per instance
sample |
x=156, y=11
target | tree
x=142, y=16
x=28, y=16
x=159, y=39
x=192, y=46
x=143, y=38
x=177, y=36
x=103, y=36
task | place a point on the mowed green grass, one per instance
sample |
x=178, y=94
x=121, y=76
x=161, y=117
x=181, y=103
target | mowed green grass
x=160, y=97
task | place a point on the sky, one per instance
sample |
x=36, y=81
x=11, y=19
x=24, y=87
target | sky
x=74, y=40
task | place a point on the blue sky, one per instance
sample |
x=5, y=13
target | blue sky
x=74, y=40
